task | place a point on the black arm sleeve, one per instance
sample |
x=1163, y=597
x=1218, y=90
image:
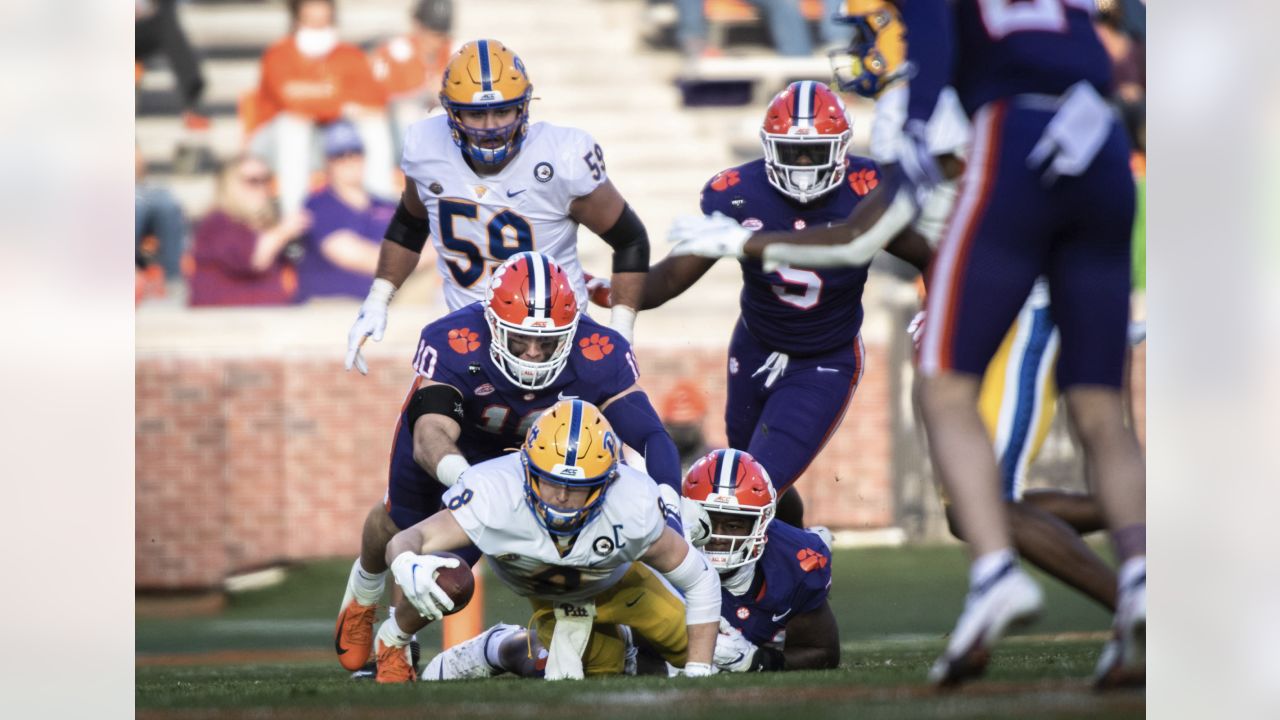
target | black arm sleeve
x=435, y=400
x=629, y=241
x=407, y=230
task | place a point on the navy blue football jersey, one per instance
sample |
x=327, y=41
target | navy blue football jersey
x=793, y=577
x=795, y=311
x=497, y=413
x=992, y=49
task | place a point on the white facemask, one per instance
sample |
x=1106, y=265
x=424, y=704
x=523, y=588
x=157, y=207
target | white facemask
x=315, y=42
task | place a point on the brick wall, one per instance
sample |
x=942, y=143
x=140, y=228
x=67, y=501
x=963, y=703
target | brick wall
x=243, y=462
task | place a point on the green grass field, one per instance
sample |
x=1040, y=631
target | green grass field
x=269, y=656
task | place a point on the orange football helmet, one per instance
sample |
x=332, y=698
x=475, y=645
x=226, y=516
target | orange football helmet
x=732, y=483
x=806, y=137
x=532, y=314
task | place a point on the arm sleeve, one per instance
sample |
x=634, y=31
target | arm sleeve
x=637, y=423
x=930, y=50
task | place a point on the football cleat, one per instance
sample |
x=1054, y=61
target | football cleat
x=532, y=315
x=730, y=485
x=1009, y=598
x=370, y=669
x=353, y=633
x=395, y=664
x=486, y=75
x=571, y=445
x=467, y=659
x=1124, y=663
x=806, y=137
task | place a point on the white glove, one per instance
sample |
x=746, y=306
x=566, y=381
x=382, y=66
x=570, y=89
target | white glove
x=734, y=652
x=372, y=320
x=695, y=669
x=696, y=522
x=416, y=576
x=709, y=236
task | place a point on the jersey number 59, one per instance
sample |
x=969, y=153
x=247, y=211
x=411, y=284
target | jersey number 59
x=506, y=234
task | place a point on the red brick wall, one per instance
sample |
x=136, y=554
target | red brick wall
x=244, y=462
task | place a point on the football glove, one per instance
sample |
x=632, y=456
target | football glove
x=372, y=321
x=696, y=669
x=710, y=236
x=416, y=576
x=734, y=652
x=696, y=522
x=598, y=289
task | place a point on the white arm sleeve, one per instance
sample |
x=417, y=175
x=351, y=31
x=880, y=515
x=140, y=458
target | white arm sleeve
x=858, y=251
x=701, y=587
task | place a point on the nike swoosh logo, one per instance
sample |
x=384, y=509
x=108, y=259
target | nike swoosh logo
x=511, y=194
x=778, y=618
x=633, y=602
x=562, y=396
x=337, y=634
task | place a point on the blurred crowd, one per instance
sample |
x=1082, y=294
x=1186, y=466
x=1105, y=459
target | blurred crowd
x=299, y=211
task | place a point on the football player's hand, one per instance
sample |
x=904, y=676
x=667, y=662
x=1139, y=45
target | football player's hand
x=598, y=289
x=709, y=236
x=416, y=576
x=734, y=652
x=696, y=522
x=372, y=321
x=696, y=669
x=915, y=329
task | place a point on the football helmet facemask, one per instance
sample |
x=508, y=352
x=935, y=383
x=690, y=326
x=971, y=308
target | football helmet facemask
x=876, y=55
x=530, y=302
x=571, y=445
x=732, y=484
x=486, y=75
x=806, y=137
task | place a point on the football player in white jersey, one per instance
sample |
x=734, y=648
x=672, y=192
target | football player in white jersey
x=485, y=184
x=565, y=525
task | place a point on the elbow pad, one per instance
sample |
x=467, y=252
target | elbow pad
x=701, y=587
x=406, y=230
x=630, y=242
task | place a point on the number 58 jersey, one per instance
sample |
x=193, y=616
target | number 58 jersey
x=477, y=222
x=488, y=501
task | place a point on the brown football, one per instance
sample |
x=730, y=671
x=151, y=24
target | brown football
x=458, y=582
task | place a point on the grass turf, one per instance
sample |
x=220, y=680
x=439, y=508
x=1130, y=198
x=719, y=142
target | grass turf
x=894, y=606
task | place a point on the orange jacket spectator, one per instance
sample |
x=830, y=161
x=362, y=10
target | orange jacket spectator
x=315, y=87
x=410, y=65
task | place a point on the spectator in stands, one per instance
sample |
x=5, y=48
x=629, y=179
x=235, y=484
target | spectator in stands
x=310, y=79
x=1116, y=30
x=237, y=252
x=340, y=252
x=156, y=29
x=683, y=410
x=787, y=26
x=159, y=234
x=411, y=66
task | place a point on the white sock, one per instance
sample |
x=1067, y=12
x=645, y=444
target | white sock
x=391, y=612
x=1130, y=571
x=366, y=586
x=390, y=634
x=984, y=566
x=493, y=644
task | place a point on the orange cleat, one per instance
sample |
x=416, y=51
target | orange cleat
x=395, y=664
x=353, y=635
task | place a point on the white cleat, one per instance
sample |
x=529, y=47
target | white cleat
x=1124, y=658
x=1009, y=599
x=466, y=660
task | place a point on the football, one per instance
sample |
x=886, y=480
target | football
x=458, y=582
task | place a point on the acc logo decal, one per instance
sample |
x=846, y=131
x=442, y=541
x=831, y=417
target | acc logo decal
x=743, y=613
x=811, y=560
x=602, y=546
x=543, y=172
x=753, y=223
x=863, y=181
x=725, y=180
x=507, y=557
x=463, y=340
x=595, y=347
x=436, y=188
x=485, y=389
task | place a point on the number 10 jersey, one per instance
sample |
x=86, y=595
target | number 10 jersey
x=477, y=222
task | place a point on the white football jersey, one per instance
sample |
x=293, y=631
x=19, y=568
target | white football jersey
x=488, y=502
x=478, y=222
